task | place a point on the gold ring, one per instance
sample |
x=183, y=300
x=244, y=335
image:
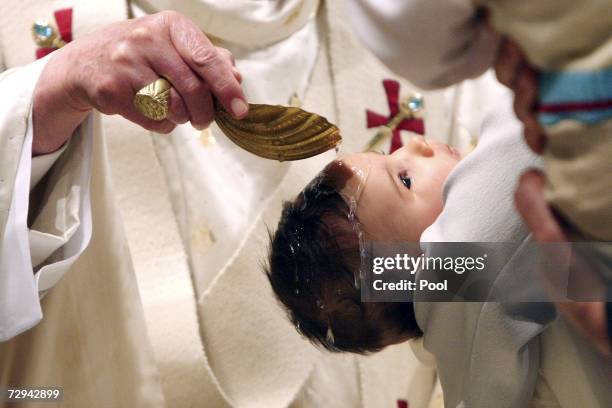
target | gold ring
x=153, y=100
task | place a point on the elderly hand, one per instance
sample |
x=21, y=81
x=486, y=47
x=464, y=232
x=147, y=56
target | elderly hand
x=105, y=69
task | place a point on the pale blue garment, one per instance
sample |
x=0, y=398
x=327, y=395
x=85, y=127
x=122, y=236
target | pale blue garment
x=487, y=353
x=580, y=87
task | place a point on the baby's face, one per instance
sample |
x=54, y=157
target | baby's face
x=402, y=192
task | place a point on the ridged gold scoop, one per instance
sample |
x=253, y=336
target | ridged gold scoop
x=273, y=132
x=279, y=132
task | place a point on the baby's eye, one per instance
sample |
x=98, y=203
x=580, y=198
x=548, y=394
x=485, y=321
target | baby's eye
x=406, y=181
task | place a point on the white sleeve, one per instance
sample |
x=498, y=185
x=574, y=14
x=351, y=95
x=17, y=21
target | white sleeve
x=432, y=43
x=43, y=163
x=32, y=259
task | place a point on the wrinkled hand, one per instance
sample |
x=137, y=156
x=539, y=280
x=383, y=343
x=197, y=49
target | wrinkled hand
x=105, y=69
x=588, y=317
x=513, y=70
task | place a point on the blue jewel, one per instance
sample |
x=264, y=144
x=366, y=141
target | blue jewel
x=415, y=102
x=43, y=30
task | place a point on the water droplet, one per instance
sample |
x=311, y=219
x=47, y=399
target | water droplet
x=329, y=337
x=352, y=211
x=297, y=291
x=320, y=304
x=297, y=326
x=357, y=282
x=292, y=249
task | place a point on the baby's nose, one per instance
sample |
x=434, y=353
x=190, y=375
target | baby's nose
x=419, y=145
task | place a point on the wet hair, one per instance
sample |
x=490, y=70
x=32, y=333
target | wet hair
x=313, y=263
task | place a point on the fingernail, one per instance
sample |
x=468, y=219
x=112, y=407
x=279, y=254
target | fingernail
x=237, y=75
x=199, y=126
x=239, y=107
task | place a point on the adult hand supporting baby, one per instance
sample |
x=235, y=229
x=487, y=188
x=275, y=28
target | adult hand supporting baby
x=513, y=70
x=588, y=317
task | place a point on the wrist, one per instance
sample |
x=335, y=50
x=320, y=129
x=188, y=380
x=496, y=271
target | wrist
x=55, y=112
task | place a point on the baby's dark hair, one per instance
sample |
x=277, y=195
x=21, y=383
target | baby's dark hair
x=313, y=263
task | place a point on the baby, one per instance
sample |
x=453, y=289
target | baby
x=423, y=192
x=315, y=253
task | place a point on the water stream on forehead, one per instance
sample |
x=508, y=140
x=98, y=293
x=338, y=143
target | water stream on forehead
x=352, y=202
x=339, y=173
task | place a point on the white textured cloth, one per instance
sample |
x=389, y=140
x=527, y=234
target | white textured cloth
x=432, y=43
x=43, y=163
x=246, y=22
x=61, y=229
x=573, y=373
x=19, y=307
x=92, y=340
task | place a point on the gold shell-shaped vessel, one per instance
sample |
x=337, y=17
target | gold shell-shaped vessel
x=279, y=132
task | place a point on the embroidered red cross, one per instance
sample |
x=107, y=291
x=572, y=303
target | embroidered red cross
x=402, y=403
x=416, y=125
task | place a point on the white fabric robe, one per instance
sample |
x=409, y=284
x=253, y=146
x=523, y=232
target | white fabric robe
x=94, y=312
x=72, y=345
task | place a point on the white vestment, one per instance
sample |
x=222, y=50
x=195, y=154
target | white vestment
x=93, y=317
